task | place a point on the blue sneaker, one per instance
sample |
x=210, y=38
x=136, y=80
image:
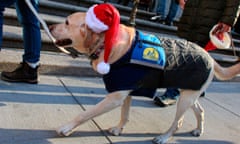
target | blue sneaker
x=170, y=97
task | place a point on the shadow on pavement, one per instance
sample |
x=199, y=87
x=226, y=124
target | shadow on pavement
x=22, y=136
x=179, y=142
x=57, y=94
x=12, y=136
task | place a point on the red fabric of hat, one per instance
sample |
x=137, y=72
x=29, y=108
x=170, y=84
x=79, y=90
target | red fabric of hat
x=104, y=18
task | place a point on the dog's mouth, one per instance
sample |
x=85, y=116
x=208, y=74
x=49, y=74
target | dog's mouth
x=63, y=42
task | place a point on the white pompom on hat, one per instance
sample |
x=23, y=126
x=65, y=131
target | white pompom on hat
x=104, y=18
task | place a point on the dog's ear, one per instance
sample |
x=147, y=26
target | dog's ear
x=88, y=37
x=83, y=30
x=86, y=34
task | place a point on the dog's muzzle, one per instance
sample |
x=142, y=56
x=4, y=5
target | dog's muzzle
x=63, y=42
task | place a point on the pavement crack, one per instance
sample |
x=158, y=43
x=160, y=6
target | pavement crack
x=237, y=115
x=83, y=108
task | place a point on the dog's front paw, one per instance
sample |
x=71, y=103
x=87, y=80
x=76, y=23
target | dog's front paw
x=116, y=131
x=197, y=132
x=65, y=130
x=162, y=139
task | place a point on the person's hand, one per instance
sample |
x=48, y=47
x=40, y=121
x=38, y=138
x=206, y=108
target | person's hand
x=221, y=28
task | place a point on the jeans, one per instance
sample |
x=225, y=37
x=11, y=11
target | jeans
x=168, y=9
x=31, y=28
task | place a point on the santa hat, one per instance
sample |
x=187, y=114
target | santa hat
x=104, y=18
x=220, y=41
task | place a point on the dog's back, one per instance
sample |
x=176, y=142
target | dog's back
x=187, y=64
x=187, y=67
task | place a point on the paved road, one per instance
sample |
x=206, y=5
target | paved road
x=29, y=114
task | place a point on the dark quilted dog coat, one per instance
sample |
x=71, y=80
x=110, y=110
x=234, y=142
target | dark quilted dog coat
x=187, y=67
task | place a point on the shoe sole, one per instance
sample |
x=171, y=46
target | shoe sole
x=165, y=103
x=35, y=81
x=169, y=102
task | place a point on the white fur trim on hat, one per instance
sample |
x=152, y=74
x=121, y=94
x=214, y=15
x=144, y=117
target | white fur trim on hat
x=93, y=22
x=225, y=43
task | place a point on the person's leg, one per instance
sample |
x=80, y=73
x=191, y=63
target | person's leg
x=174, y=7
x=31, y=31
x=3, y=4
x=162, y=11
x=27, y=71
x=1, y=23
x=163, y=7
x=178, y=14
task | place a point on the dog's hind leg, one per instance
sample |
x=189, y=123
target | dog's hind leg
x=117, y=130
x=111, y=101
x=199, y=113
x=186, y=100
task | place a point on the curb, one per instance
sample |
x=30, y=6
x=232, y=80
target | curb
x=51, y=63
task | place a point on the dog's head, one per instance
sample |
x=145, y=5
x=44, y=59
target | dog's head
x=75, y=33
x=96, y=34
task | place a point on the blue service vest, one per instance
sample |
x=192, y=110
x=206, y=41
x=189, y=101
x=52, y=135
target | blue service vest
x=148, y=51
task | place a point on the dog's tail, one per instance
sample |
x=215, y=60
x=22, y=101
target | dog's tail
x=226, y=73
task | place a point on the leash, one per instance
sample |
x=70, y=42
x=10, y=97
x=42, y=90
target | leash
x=70, y=52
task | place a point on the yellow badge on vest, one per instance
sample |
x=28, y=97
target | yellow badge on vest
x=151, y=54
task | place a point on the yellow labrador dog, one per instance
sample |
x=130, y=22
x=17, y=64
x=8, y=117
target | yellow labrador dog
x=179, y=71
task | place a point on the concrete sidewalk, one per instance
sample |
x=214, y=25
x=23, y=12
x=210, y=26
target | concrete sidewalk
x=29, y=114
x=51, y=63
